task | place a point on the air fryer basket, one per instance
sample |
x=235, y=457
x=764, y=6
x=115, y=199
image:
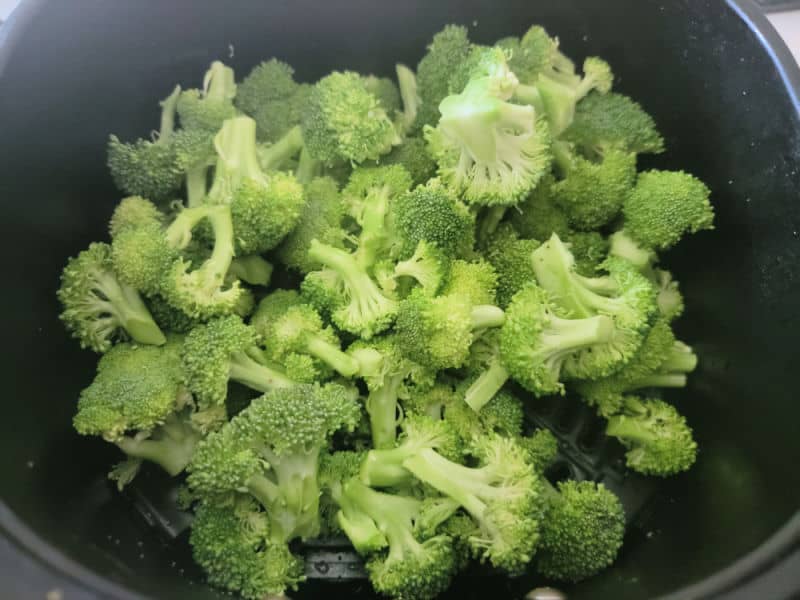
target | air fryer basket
x=720, y=85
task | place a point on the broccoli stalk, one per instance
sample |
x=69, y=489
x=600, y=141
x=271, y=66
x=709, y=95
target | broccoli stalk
x=170, y=445
x=276, y=155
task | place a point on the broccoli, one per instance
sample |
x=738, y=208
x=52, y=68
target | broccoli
x=298, y=329
x=488, y=149
x=137, y=401
x=134, y=211
x=264, y=208
x=234, y=546
x=345, y=288
x=476, y=281
x=148, y=168
x=501, y=494
x=581, y=530
x=206, y=109
x=343, y=121
x=503, y=415
x=605, y=121
x=270, y=95
x=664, y=205
x=321, y=219
x=251, y=269
x=669, y=298
x=98, y=308
x=511, y=257
x=538, y=216
x=389, y=375
x=413, y=156
x=541, y=448
x=430, y=402
x=657, y=437
x=448, y=49
x=589, y=249
x=226, y=349
x=386, y=91
x=439, y=331
x=170, y=318
x=429, y=267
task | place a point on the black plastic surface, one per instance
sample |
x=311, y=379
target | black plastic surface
x=71, y=74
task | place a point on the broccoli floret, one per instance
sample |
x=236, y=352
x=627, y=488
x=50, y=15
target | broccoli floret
x=98, y=308
x=589, y=249
x=534, y=53
x=409, y=95
x=581, y=531
x=428, y=267
x=541, y=448
x=669, y=299
x=207, y=108
x=503, y=415
x=415, y=565
x=501, y=494
x=251, y=269
x=488, y=150
x=233, y=545
x=141, y=256
x=281, y=155
x=134, y=211
x=433, y=214
x=264, y=208
x=299, y=330
x=389, y=375
x=413, y=156
x=448, y=49
x=477, y=281
x=605, y=121
x=345, y=289
x=222, y=349
x=137, y=401
x=439, y=331
x=430, y=402
x=345, y=122
x=386, y=91
x=321, y=219
x=270, y=95
x=658, y=439
x=592, y=193
x=148, y=168
x=535, y=342
x=664, y=206
x=625, y=295
x=511, y=257
x=383, y=467
x=538, y=216
x=170, y=318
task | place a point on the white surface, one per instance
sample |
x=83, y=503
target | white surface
x=787, y=24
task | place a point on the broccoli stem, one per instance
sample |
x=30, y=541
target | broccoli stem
x=680, y=359
x=296, y=513
x=383, y=467
x=358, y=527
x=237, y=157
x=196, y=186
x=571, y=335
x=219, y=82
x=373, y=227
x=562, y=157
x=491, y=219
x=330, y=354
x=485, y=316
x=407, y=82
x=168, y=107
x=382, y=410
x=666, y=380
x=630, y=429
x=275, y=156
x=484, y=388
x=626, y=247
x=528, y=94
x=263, y=490
x=127, y=306
x=170, y=446
x=252, y=269
x=245, y=370
x=307, y=167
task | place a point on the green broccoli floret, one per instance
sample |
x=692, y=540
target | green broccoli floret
x=170, y=318
x=448, y=49
x=589, y=249
x=320, y=218
x=535, y=342
x=503, y=415
x=592, y=193
x=439, y=331
x=669, y=298
x=625, y=295
x=98, y=308
x=413, y=156
x=538, y=216
x=343, y=121
x=270, y=95
x=581, y=531
x=389, y=375
x=541, y=448
x=134, y=211
x=299, y=330
x=148, y=168
x=416, y=565
x=344, y=288
x=664, y=206
x=657, y=437
x=226, y=349
x=661, y=361
x=477, y=281
x=431, y=213
x=264, y=208
x=430, y=402
x=137, y=401
x=488, y=150
x=428, y=267
x=383, y=466
x=511, y=257
x=234, y=546
x=207, y=108
x=501, y=494
x=386, y=91
x=532, y=54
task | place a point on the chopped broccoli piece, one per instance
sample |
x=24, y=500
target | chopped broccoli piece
x=446, y=52
x=207, y=108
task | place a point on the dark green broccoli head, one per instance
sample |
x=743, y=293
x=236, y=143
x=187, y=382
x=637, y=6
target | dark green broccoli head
x=412, y=155
x=511, y=257
x=538, y=216
x=205, y=109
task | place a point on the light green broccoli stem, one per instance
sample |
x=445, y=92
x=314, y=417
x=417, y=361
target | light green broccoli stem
x=274, y=156
x=168, y=107
x=491, y=219
x=624, y=246
x=561, y=157
x=666, y=380
x=237, y=157
x=681, y=359
x=263, y=490
x=171, y=445
x=484, y=388
x=383, y=467
x=382, y=411
x=196, y=186
x=407, y=82
x=528, y=94
x=252, y=269
x=255, y=375
x=307, y=167
x=359, y=528
x=373, y=227
x=571, y=335
x=330, y=354
x=630, y=429
x=485, y=316
x=179, y=234
x=296, y=512
x=219, y=82
x=127, y=306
